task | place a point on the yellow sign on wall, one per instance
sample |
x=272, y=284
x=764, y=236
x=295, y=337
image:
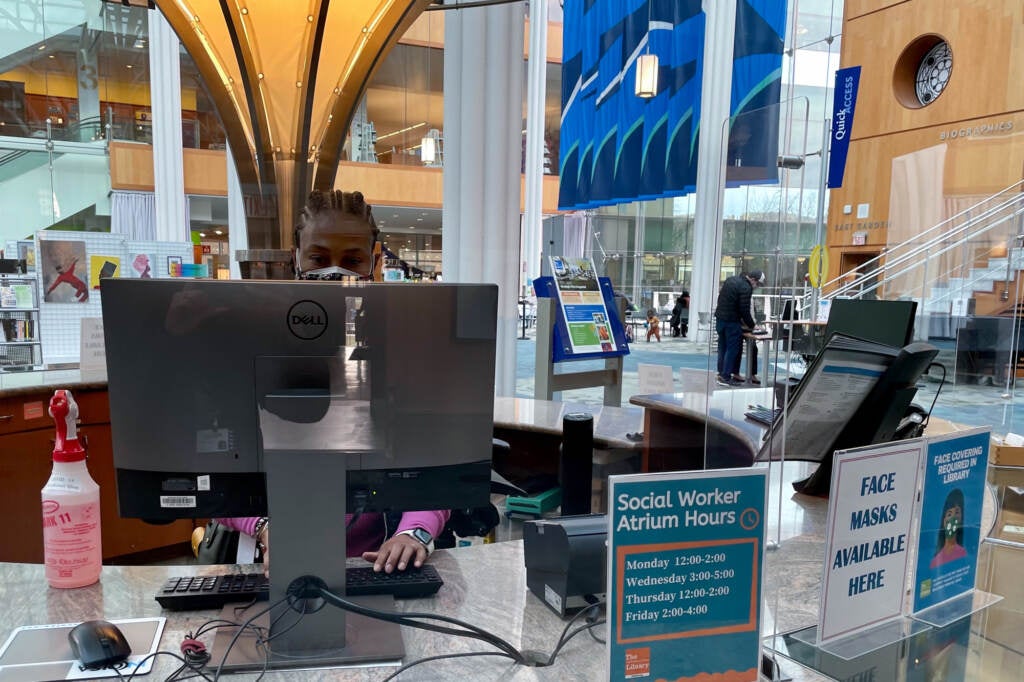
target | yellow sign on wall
x=817, y=266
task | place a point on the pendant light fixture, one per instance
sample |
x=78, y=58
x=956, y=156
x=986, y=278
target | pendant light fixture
x=427, y=149
x=647, y=66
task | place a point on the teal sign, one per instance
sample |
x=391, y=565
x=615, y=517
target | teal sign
x=685, y=559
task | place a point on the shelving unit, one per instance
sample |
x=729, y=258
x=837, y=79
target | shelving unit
x=20, y=345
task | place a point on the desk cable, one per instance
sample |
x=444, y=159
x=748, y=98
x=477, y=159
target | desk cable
x=195, y=655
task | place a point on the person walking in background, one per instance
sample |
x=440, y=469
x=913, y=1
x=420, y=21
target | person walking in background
x=731, y=313
x=653, y=325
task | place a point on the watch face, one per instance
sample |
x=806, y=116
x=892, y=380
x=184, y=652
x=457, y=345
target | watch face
x=422, y=535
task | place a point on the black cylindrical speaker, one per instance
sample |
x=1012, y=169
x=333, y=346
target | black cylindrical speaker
x=575, y=467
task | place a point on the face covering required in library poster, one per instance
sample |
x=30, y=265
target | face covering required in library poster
x=951, y=505
x=685, y=562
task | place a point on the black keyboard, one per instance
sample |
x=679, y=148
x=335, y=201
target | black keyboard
x=763, y=415
x=192, y=593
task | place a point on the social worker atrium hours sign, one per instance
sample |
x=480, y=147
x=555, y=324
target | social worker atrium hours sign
x=685, y=558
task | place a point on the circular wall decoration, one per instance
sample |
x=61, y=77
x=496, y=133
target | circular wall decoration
x=922, y=71
x=933, y=73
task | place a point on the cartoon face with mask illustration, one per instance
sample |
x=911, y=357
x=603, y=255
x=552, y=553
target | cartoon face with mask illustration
x=950, y=544
x=335, y=237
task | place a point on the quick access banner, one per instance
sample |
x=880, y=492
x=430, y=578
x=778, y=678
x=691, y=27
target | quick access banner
x=583, y=306
x=951, y=504
x=867, y=552
x=843, y=106
x=685, y=561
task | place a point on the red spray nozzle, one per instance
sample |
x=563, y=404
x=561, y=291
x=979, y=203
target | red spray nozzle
x=64, y=411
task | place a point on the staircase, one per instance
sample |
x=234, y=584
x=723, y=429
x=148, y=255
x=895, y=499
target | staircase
x=966, y=274
x=975, y=254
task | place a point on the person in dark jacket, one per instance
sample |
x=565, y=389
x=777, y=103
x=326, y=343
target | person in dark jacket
x=731, y=314
x=681, y=315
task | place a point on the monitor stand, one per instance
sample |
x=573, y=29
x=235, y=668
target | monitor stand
x=306, y=500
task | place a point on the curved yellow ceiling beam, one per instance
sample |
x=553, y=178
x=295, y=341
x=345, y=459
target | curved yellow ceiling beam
x=286, y=77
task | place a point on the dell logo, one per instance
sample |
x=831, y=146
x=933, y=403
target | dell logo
x=307, y=320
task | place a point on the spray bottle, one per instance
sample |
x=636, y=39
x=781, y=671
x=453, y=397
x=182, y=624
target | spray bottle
x=71, y=505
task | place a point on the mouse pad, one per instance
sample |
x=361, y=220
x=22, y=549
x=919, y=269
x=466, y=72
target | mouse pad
x=42, y=652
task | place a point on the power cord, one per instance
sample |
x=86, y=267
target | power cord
x=410, y=619
x=413, y=619
x=935, y=399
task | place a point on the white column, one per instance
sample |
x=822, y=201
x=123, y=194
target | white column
x=165, y=94
x=483, y=82
x=536, y=87
x=238, y=236
x=720, y=27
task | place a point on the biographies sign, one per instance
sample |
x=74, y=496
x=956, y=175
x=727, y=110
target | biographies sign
x=951, y=503
x=685, y=563
x=867, y=553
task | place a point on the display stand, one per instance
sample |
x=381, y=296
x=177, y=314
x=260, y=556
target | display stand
x=552, y=348
x=956, y=608
x=864, y=642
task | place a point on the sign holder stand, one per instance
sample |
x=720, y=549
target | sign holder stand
x=866, y=641
x=553, y=348
x=958, y=607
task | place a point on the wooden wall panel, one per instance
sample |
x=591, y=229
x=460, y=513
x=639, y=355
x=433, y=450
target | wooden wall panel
x=131, y=168
x=987, y=40
x=206, y=172
x=855, y=8
x=975, y=166
x=390, y=185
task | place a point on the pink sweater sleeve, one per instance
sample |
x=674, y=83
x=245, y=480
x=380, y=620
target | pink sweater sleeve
x=244, y=524
x=430, y=521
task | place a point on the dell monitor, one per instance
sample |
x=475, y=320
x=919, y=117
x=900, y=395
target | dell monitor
x=300, y=401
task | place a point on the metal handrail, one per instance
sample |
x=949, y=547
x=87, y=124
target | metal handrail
x=936, y=234
x=989, y=217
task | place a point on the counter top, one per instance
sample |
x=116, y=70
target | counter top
x=486, y=585
x=14, y=384
x=611, y=424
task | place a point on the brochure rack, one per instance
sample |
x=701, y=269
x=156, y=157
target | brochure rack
x=553, y=347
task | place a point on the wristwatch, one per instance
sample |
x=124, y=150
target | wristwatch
x=423, y=536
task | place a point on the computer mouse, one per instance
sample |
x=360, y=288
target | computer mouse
x=98, y=644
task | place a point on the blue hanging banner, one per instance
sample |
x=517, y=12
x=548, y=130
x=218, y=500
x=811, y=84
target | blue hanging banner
x=753, y=143
x=685, y=561
x=843, y=105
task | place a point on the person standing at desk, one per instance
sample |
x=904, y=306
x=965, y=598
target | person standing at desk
x=731, y=313
x=336, y=237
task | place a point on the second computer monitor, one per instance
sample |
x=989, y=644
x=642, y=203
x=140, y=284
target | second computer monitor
x=888, y=322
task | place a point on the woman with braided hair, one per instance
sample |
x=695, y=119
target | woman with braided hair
x=336, y=237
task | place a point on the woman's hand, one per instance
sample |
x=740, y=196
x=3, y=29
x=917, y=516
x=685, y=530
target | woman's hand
x=264, y=539
x=398, y=551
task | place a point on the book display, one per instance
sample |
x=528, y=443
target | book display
x=20, y=347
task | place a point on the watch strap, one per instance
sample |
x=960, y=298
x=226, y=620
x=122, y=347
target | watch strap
x=420, y=535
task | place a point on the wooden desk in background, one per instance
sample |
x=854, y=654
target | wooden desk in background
x=697, y=431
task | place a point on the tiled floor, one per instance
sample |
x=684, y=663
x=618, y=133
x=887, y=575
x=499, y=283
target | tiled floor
x=998, y=407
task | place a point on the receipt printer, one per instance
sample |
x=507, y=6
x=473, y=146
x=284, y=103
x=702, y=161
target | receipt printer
x=566, y=559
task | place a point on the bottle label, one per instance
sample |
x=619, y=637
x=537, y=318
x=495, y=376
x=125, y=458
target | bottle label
x=61, y=483
x=71, y=538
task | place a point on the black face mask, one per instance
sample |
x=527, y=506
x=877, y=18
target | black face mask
x=332, y=273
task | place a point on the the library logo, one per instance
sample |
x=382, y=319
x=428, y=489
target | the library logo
x=638, y=662
x=307, y=320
